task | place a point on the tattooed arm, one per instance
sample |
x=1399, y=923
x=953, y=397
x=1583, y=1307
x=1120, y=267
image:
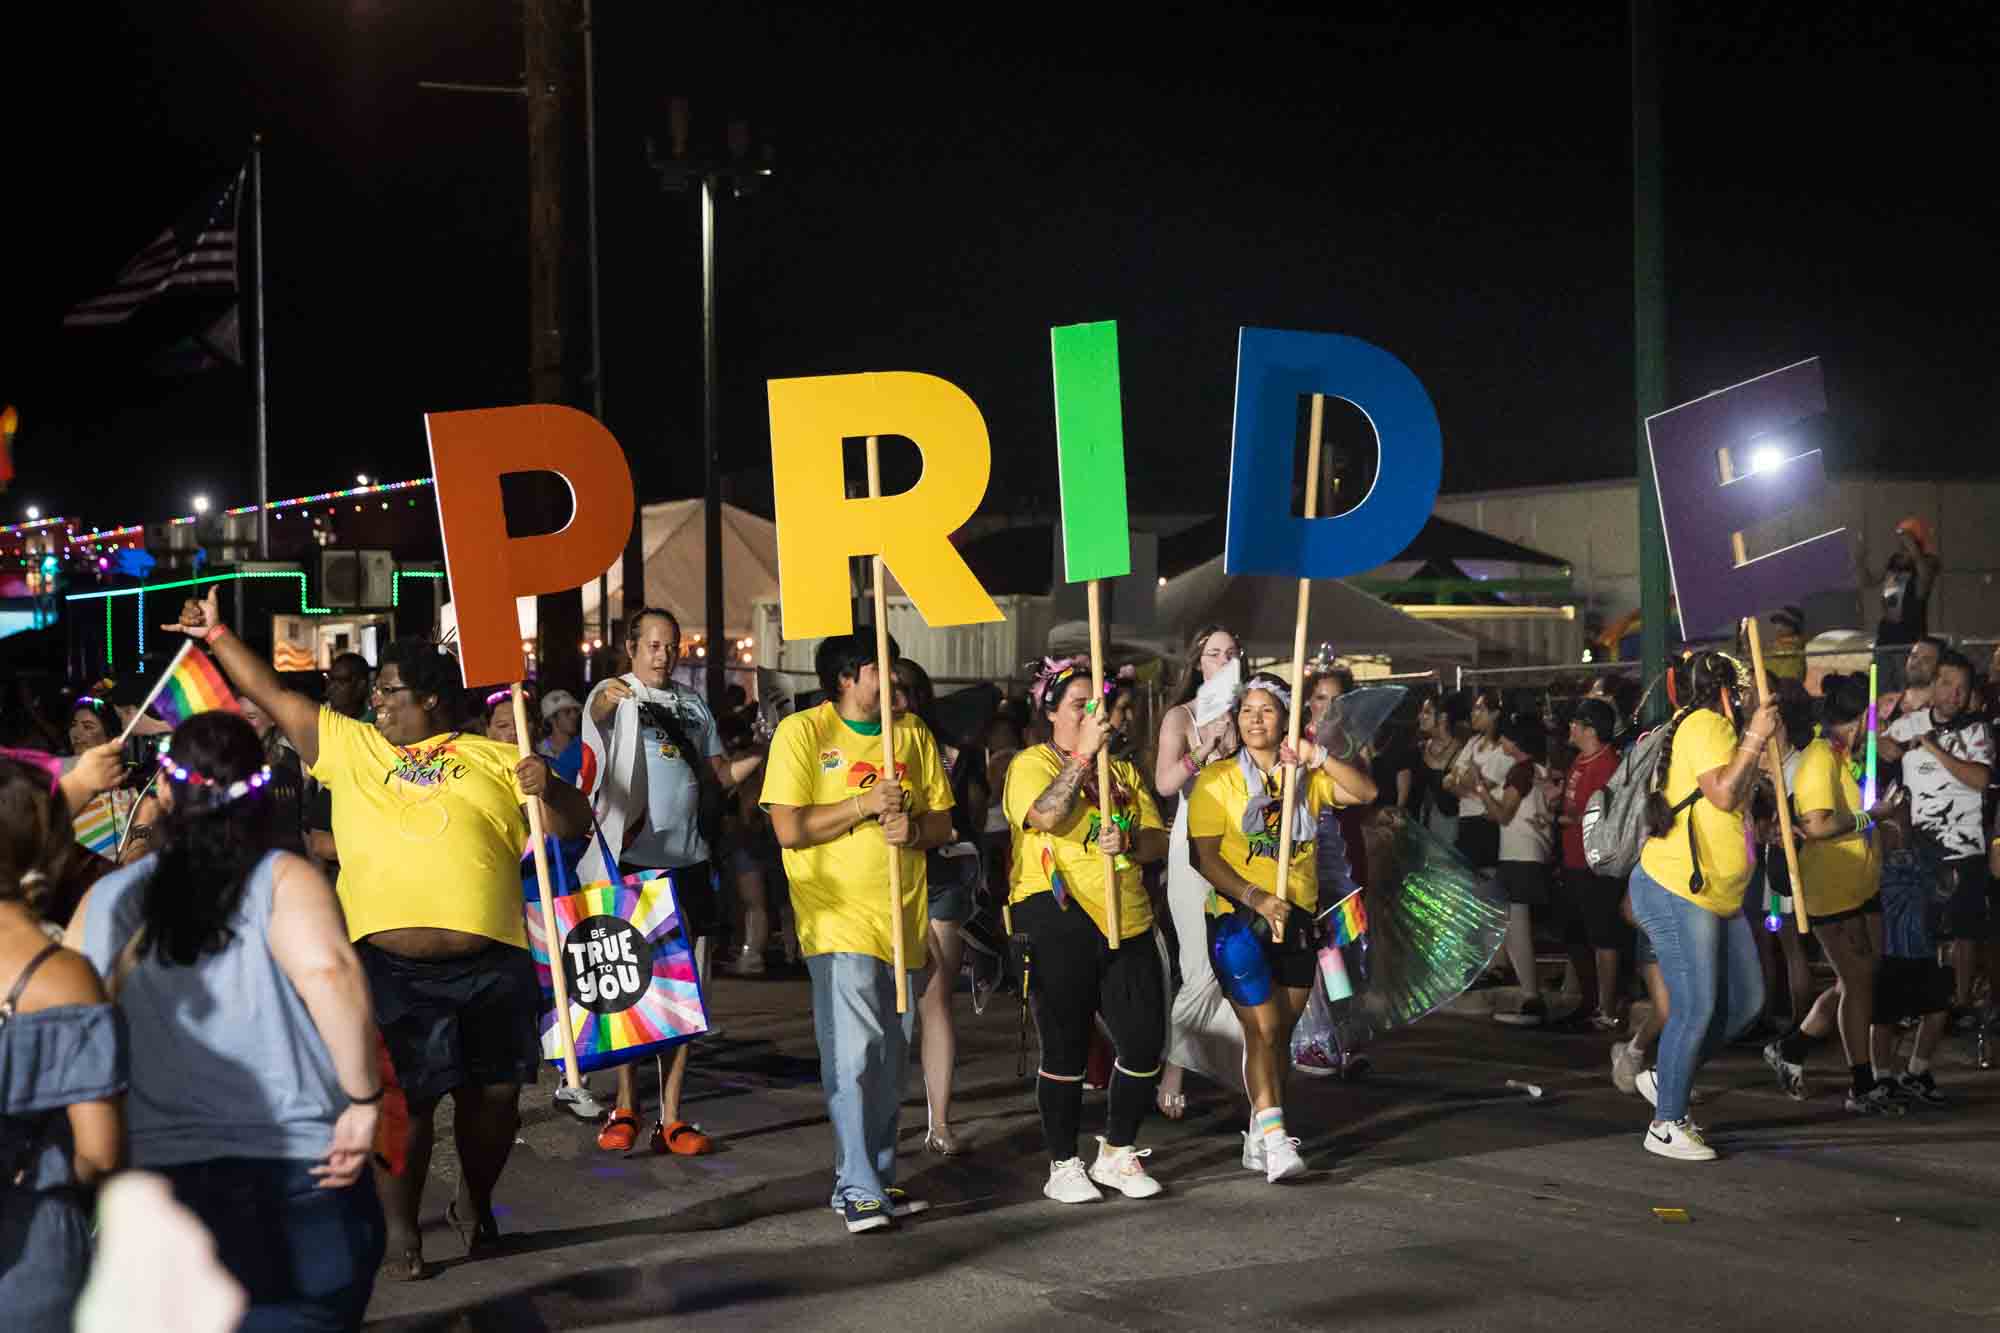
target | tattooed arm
x=1057, y=802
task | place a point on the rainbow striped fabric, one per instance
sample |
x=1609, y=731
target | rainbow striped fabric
x=1348, y=919
x=193, y=684
x=102, y=821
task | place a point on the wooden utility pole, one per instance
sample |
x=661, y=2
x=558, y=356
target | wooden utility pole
x=549, y=27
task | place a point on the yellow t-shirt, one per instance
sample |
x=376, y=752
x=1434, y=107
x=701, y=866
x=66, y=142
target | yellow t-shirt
x=840, y=889
x=1838, y=873
x=1704, y=741
x=1215, y=808
x=429, y=834
x=1071, y=851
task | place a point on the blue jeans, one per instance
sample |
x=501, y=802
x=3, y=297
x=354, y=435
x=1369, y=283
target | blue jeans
x=1715, y=985
x=306, y=1256
x=864, y=1054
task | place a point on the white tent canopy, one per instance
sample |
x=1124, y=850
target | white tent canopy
x=1263, y=612
x=676, y=551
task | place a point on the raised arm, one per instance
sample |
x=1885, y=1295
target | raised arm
x=296, y=715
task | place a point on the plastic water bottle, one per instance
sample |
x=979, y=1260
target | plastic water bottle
x=1239, y=959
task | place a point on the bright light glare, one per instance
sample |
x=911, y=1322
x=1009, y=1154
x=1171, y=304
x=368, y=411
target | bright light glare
x=201, y=504
x=34, y=512
x=1767, y=458
x=361, y=479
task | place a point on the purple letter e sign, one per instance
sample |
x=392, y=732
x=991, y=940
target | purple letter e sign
x=1720, y=465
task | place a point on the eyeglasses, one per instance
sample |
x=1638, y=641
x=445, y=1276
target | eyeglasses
x=384, y=691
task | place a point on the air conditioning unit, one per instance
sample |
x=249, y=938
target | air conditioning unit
x=349, y=578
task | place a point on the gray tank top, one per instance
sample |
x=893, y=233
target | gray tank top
x=226, y=1060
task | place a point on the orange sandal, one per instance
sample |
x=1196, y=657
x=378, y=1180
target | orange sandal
x=681, y=1139
x=620, y=1131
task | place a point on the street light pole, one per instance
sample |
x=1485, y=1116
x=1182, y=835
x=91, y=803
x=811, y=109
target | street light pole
x=711, y=453
x=706, y=177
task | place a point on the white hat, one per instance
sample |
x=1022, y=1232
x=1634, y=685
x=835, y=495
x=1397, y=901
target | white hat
x=555, y=701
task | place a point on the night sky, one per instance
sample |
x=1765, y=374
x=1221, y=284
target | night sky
x=1455, y=189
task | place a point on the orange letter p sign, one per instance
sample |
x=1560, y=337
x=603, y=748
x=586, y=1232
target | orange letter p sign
x=470, y=452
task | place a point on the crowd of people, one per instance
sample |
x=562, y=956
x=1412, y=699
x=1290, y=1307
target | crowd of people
x=256, y=952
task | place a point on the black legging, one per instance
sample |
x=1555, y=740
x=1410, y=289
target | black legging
x=1077, y=976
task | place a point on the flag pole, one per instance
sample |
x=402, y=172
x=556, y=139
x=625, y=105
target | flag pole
x=258, y=418
x=1296, y=711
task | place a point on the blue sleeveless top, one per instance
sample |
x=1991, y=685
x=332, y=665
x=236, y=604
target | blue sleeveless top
x=226, y=1060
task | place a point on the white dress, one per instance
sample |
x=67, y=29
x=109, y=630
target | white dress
x=1202, y=1031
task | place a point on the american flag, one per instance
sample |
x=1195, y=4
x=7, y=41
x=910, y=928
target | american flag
x=197, y=251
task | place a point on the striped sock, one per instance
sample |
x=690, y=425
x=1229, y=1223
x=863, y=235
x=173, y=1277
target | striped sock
x=1268, y=1122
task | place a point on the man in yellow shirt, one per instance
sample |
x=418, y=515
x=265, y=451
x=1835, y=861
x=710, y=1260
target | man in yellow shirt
x=838, y=823
x=1060, y=893
x=430, y=825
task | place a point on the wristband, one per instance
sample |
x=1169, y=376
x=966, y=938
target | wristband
x=381, y=1091
x=214, y=632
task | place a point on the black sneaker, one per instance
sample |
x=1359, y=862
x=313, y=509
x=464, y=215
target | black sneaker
x=1920, y=1088
x=1878, y=1100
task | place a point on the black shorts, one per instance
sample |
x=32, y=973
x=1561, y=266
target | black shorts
x=1525, y=882
x=457, y=1022
x=1075, y=975
x=694, y=894
x=1479, y=841
x=1592, y=901
x=1911, y=988
x=1966, y=912
x=1873, y=907
x=1293, y=963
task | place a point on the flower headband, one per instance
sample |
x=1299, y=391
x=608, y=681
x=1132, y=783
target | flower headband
x=1272, y=686
x=1052, y=677
x=222, y=795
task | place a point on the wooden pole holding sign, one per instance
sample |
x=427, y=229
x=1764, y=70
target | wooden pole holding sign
x=1773, y=757
x=1104, y=810
x=556, y=980
x=888, y=694
x=1297, y=710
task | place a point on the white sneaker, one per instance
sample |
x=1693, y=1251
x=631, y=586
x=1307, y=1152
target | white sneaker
x=1253, y=1152
x=1678, y=1139
x=1123, y=1169
x=1281, y=1158
x=1070, y=1183
x=1625, y=1066
x=1647, y=1082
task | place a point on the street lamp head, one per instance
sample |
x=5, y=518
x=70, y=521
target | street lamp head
x=1767, y=458
x=201, y=504
x=34, y=512
x=361, y=479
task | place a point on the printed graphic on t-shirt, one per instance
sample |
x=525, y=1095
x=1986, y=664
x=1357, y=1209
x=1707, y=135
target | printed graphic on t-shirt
x=864, y=774
x=1943, y=808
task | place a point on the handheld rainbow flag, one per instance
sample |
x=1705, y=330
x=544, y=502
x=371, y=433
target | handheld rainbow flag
x=193, y=684
x=1348, y=919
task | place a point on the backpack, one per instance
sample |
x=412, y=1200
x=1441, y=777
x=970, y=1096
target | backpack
x=1614, y=819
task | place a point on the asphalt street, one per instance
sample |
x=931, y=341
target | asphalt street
x=1440, y=1199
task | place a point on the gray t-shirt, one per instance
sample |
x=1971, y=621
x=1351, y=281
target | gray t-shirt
x=226, y=1060
x=672, y=835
